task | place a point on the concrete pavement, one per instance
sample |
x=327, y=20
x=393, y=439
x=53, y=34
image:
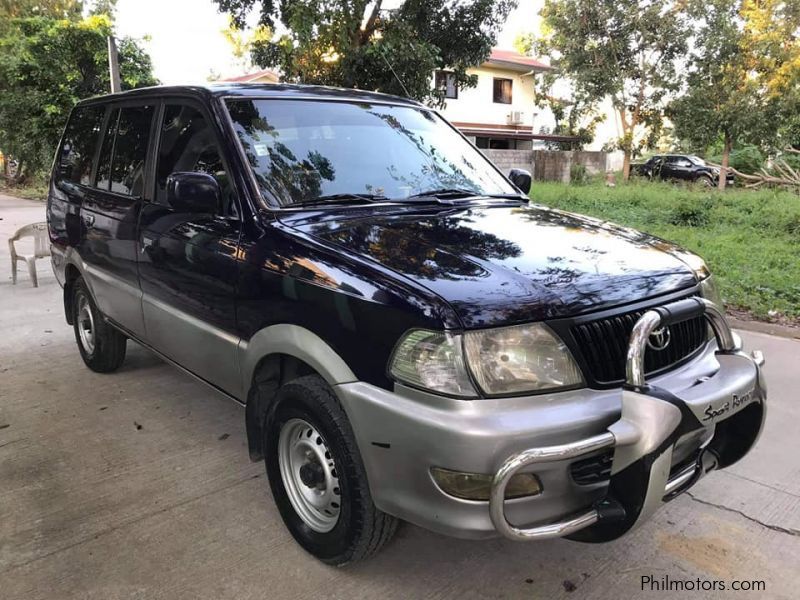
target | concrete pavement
x=138, y=485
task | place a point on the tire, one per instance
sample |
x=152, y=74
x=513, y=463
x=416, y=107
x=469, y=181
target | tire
x=705, y=181
x=308, y=422
x=101, y=346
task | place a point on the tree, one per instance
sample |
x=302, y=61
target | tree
x=743, y=71
x=624, y=50
x=56, y=9
x=48, y=65
x=575, y=113
x=358, y=43
x=772, y=41
x=242, y=41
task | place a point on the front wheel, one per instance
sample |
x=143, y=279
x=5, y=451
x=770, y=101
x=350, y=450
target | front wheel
x=317, y=477
x=101, y=346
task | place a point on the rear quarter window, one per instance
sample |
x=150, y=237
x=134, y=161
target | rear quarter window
x=79, y=145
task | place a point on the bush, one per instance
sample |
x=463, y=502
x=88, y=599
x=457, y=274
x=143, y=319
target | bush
x=577, y=174
x=692, y=212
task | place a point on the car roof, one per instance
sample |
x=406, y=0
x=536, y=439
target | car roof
x=255, y=90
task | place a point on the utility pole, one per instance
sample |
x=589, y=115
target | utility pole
x=113, y=65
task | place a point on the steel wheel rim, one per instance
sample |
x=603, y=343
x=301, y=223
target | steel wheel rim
x=86, y=328
x=309, y=475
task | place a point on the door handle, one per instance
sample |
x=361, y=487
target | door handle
x=88, y=219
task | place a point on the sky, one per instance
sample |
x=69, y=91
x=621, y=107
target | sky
x=186, y=43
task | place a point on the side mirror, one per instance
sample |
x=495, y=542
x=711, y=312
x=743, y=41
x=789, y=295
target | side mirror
x=522, y=179
x=193, y=192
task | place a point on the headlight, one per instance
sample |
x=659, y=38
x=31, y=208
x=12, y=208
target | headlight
x=503, y=361
x=434, y=361
x=521, y=358
x=696, y=264
x=710, y=291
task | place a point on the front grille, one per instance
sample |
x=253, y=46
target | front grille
x=603, y=343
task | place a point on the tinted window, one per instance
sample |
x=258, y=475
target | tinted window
x=188, y=143
x=106, y=152
x=79, y=145
x=678, y=161
x=502, y=91
x=130, y=150
x=302, y=150
x=446, y=83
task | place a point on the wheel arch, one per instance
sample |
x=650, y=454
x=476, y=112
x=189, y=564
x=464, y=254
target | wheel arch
x=71, y=274
x=277, y=354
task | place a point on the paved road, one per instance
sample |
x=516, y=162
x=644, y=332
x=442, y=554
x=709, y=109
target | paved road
x=138, y=485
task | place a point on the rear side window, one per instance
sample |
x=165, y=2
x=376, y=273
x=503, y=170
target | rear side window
x=106, y=152
x=188, y=143
x=122, y=161
x=79, y=145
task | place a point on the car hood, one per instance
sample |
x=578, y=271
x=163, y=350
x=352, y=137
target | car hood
x=507, y=264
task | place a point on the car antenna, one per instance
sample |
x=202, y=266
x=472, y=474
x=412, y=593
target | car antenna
x=400, y=81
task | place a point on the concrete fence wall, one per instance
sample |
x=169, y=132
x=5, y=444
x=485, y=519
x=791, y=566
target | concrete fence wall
x=510, y=159
x=556, y=165
x=551, y=165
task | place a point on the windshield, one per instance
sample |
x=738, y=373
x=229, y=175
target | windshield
x=697, y=160
x=302, y=150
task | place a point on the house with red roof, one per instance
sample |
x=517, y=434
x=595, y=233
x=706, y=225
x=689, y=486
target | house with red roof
x=261, y=76
x=500, y=112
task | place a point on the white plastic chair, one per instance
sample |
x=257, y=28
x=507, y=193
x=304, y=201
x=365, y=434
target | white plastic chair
x=41, y=249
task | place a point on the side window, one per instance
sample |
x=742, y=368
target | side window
x=106, y=152
x=79, y=145
x=502, y=91
x=188, y=144
x=130, y=150
x=446, y=82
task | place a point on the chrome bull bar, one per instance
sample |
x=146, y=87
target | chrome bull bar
x=650, y=423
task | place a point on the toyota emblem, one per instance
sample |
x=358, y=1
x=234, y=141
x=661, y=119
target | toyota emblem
x=659, y=339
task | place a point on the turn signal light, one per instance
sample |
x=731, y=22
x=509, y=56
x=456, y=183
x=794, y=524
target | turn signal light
x=477, y=486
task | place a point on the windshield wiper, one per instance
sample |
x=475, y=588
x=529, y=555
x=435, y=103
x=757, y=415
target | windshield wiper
x=340, y=199
x=446, y=193
x=455, y=193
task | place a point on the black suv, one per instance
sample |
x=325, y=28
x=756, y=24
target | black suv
x=411, y=337
x=680, y=167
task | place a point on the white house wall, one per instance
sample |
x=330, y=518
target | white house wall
x=476, y=105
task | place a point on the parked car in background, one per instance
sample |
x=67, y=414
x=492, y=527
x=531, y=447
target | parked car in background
x=410, y=338
x=680, y=167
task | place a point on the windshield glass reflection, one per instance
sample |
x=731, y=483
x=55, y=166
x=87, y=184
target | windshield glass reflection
x=301, y=151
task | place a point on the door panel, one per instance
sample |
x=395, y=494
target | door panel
x=188, y=262
x=108, y=249
x=677, y=167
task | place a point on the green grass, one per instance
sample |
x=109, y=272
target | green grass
x=31, y=191
x=749, y=239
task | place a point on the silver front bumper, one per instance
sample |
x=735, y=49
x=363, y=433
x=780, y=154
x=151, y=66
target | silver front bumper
x=651, y=423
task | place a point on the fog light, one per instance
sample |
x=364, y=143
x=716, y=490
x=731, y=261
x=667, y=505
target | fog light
x=476, y=486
